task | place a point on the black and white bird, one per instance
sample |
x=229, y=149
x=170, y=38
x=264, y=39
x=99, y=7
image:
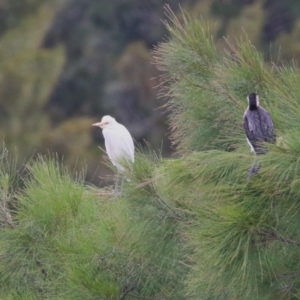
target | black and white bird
x=258, y=126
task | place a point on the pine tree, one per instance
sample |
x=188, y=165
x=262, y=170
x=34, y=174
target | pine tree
x=244, y=232
x=65, y=240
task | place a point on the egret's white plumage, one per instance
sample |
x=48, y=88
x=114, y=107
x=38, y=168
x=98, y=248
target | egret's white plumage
x=118, y=142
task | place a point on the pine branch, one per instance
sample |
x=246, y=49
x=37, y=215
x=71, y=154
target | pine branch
x=6, y=218
x=272, y=235
x=126, y=291
x=148, y=186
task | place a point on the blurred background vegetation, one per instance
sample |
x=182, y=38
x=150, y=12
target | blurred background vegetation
x=66, y=63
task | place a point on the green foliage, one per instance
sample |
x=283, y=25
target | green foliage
x=14, y=11
x=27, y=77
x=67, y=241
x=242, y=232
x=28, y=74
x=207, y=92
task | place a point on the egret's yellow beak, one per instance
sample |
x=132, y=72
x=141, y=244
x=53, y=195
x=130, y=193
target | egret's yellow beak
x=99, y=124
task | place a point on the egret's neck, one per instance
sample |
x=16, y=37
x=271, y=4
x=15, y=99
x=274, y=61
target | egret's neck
x=112, y=125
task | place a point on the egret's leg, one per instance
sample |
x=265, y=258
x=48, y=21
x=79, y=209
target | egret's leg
x=117, y=179
x=122, y=183
x=119, y=182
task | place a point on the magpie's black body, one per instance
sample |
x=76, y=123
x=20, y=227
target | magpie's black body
x=258, y=125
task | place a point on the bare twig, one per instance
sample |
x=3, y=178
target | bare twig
x=164, y=203
x=272, y=235
x=148, y=184
x=6, y=218
x=127, y=291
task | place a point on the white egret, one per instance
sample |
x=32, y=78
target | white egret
x=118, y=144
x=259, y=128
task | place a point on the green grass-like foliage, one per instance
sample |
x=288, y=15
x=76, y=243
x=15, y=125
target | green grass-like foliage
x=65, y=240
x=243, y=233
